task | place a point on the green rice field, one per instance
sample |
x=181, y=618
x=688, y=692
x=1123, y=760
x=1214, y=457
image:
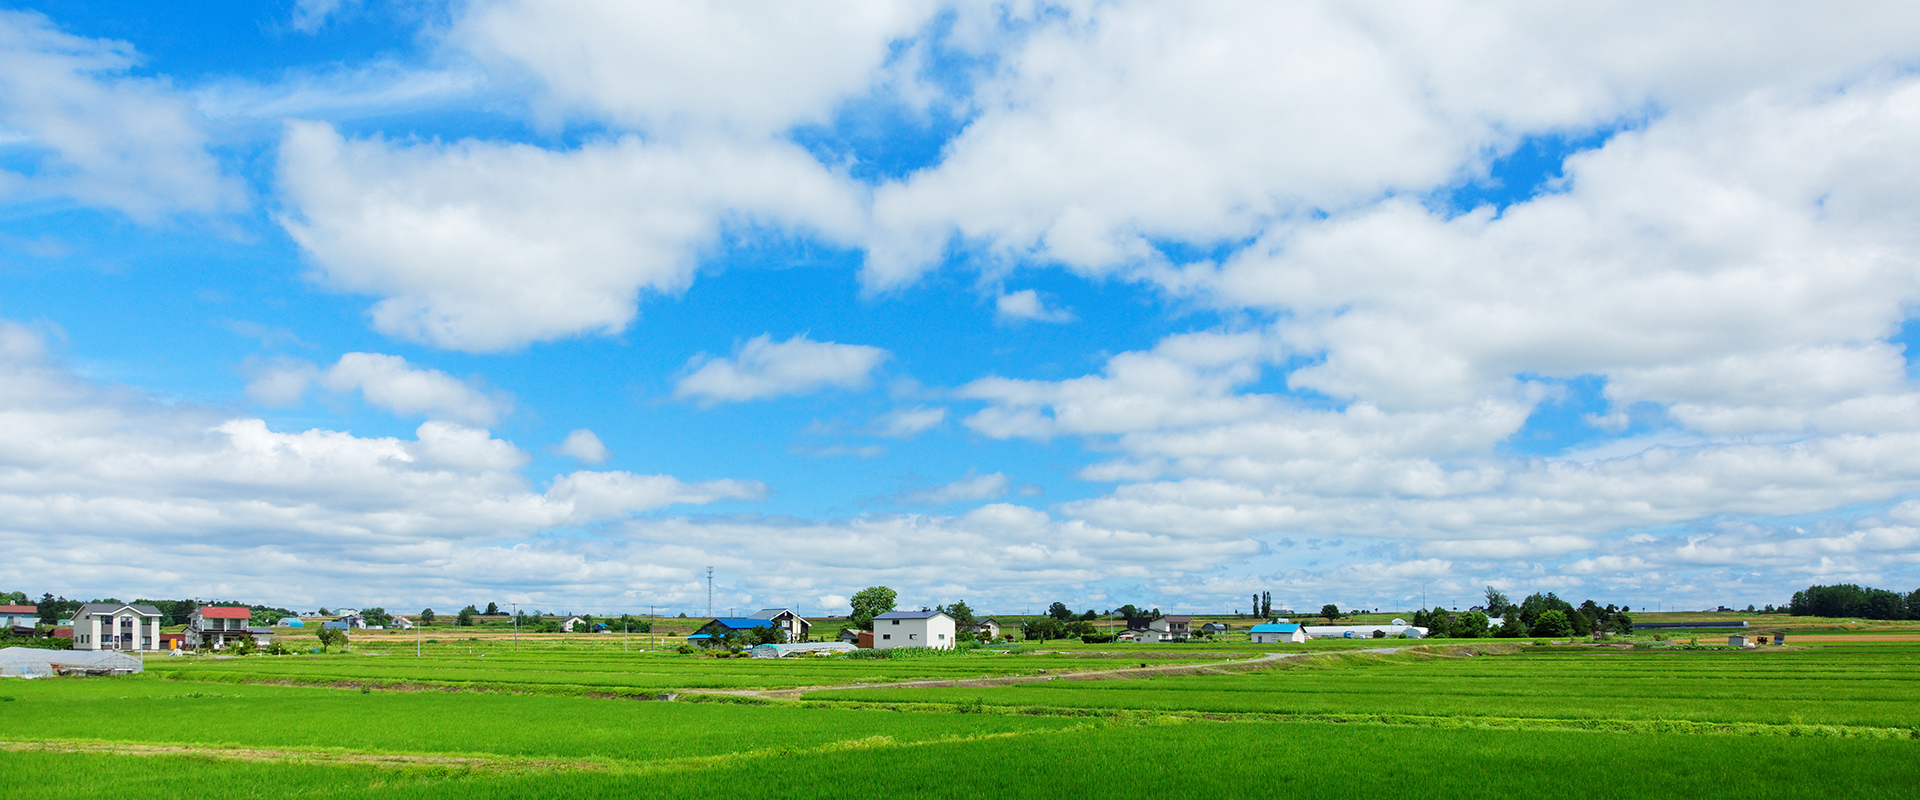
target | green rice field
x=1330, y=720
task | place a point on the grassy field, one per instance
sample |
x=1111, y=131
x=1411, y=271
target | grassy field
x=1493, y=719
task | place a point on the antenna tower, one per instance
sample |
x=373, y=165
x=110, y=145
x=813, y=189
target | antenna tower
x=709, y=591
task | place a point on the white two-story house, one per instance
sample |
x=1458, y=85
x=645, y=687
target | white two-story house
x=923, y=628
x=792, y=624
x=117, y=626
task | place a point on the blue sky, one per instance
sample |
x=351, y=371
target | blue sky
x=414, y=303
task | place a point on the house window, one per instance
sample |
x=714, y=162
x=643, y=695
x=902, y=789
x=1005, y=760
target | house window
x=913, y=636
x=886, y=636
x=943, y=636
x=896, y=622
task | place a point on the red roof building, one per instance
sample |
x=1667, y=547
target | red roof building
x=226, y=612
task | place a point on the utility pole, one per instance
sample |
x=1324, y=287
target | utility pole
x=516, y=626
x=654, y=637
x=417, y=633
x=709, y=592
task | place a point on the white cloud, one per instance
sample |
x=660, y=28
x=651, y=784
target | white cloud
x=757, y=67
x=763, y=368
x=971, y=489
x=599, y=495
x=483, y=247
x=582, y=445
x=1026, y=305
x=906, y=423
x=312, y=15
x=80, y=127
x=384, y=381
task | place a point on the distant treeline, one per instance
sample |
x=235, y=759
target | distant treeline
x=1851, y=600
x=52, y=609
x=1538, y=615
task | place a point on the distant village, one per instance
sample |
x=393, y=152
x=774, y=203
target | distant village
x=185, y=626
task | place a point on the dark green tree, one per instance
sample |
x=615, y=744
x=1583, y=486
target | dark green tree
x=1060, y=611
x=765, y=634
x=1497, y=603
x=962, y=615
x=1266, y=604
x=465, y=618
x=376, y=616
x=1330, y=611
x=332, y=637
x=1043, y=629
x=493, y=609
x=869, y=603
x=1512, y=627
x=1552, y=622
x=426, y=616
x=1471, y=625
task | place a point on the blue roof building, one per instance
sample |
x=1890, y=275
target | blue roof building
x=1271, y=633
x=719, y=628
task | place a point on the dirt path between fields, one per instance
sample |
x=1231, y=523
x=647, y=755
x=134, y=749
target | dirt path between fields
x=1041, y=676
x=303, y=756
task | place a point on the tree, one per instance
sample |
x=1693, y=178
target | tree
x=1471, y=625
x=321, y=612
x=1913, y=605
x=426, y=616
x=1497, y=603
x=493, y=609
x=765, y=634
x=465, y=617
x=1256, y=605
x=331, y=637
x=1060, y=611
x=1553, y=622
x=1266, y=604
x=869, y=603
x=962, y=615
x=1330, y=611
x=1129, y=612
x=1042, y=629
x=1512, y=627
x=1621, y=623
x=377, y=616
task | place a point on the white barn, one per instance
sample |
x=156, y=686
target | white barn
x=923, y=628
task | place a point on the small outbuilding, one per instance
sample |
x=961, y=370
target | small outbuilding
x=800, y=648
x=1270, y=633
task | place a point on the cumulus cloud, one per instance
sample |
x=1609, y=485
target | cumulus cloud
x=906, y=423
x=763, y=368
x=484, y=247
x=669, y=68
x=971, y=489
x=75, y=124
x=582, y=445
x=1026, y=305
x=384, y=381
x=96, y=468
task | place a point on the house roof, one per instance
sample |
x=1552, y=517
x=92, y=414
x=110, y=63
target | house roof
x=19, y=609
x=1274, y=628
x=770, y=613
x=740, y=623
x=224, y=612
x=911, y=615
x=108, y=608
x=1176, y=618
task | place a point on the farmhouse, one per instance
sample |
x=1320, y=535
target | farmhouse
x=1271, y=633
x=19, y=620
x=923, y=628
x=1160, y=629
x=721, y=628
x=117, y=626
x=215, y=627
x=567, y=625
x=986, y=630
x=788, y=621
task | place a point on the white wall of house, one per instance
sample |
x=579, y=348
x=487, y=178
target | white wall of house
x=935, y=631
x=94, y=631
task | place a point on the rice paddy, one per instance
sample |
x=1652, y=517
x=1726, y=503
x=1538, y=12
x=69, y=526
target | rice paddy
x=1481, y=719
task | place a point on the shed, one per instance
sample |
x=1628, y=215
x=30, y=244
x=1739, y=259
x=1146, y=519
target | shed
x=1270, y=633
x=1738, y=641
x=799, y=648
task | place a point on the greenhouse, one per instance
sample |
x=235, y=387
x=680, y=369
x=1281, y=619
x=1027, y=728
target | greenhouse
x=30, y=662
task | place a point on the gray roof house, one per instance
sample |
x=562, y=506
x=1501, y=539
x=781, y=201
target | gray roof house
x=117, y=626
